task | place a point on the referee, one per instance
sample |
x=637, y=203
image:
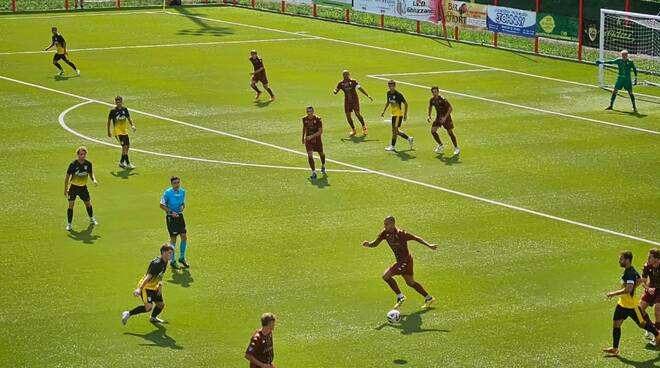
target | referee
x=173, y=203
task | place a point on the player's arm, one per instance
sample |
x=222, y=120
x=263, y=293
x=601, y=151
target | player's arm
x=405, y=110
x=318, y=133
x=109, y=121
x=67, y=179
x=626, y=290
x=163, y=206
x=634, y=68
x=336, y=88
x=92, y=176
x=145, y=279
x=429, y=112
x=422, y=241
x=372, y=244
x=304, y=133
x=449, y=110
x=365, y=93
x=130, y=121
x=385, y=108
x=254, y=361
x=64, y=46
x=51, y=45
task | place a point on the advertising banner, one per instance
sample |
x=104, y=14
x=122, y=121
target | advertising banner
x=511, y=21
x=335, y=3
x=466, y=14
x=422, y=10
x=557, y=26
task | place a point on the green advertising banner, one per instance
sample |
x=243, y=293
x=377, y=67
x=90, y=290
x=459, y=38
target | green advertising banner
x=336, y=3
x=557, y=26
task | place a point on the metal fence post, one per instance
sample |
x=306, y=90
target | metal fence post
x=536, y=36
x=496, y=3
x=580, y=30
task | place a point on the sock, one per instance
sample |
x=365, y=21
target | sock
x=453, y=140
x=350, y=121
x=394, y=141
x=173, y=252
x=648, y=326
x=270, y=91
x=428, y=297
x=399, y=295
x=311, y=163
x=322, y=159
x=72, y=65
x=256, y=89
x=126, y=159
x=393, y=285
x=612, y=99
x=122, y=159
x=90, y=211
x=361, y=119
x=138, y=310
x=632, y=99
x=616, y=336
x=403, y=135
x=183, y=246
x=69, y=215
x=156, y=312
x=418, y=287
x=436, y=136
x=59, y=66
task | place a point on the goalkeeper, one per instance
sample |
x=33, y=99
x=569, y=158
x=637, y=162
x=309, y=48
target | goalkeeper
x=623, y=79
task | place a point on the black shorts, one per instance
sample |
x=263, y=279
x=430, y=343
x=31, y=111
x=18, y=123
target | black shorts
x=622, y=313
x=58, y=57
x=151, y=296
x=397, y=121
x=76, y=191
x=123, y=139
x=176, y=225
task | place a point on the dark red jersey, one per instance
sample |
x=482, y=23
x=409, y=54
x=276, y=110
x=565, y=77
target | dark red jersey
x=312, y=124
x=261, y=347
x=441, y=107
x=653, y=273
x=350, y=89
x=398, y=241
x=257, y=63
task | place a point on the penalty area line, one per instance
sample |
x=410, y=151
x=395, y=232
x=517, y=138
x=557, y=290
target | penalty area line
x=363, y=169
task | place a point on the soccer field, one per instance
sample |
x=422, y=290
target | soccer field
x=529, y=219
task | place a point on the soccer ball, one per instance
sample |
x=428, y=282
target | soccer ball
x=393, y=316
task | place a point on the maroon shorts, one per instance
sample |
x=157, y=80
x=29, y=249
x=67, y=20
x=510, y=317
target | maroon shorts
x=314, y=145
x=350, y=106
x=261, y=77
x=651, y=299
x=402, y=268
x=448, y=124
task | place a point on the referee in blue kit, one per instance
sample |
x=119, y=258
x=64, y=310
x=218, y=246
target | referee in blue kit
x=173, y=203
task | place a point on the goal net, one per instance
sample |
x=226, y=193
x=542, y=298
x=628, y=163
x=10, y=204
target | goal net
x=637, y=33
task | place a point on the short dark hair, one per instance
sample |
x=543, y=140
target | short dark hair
x=174, y=177
x=655, y=252
x=165, y=248
x=435, y=88
x=626, y=254
x=391, y=219
x=266, y=319
x=391, y=82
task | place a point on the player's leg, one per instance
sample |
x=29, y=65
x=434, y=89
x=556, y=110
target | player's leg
x=408, y=275
x=71, y=64
x=454, y=141
x=322, y=157
x=617, y=86
x=395, y=134
x=388, y=277
x=356, y=109
x=144, y=308
x=349, y=118
x=632, y=96
x=183, y=246
x=172, y=230
x=436, y=137
x=159, y=306
x=643, y=321
x=69, y=212
x=310, y=161
x=270, y=91
x=84, y=195
x=617, y=321
x=56, y=59
x=401, y=134
x=253, y=84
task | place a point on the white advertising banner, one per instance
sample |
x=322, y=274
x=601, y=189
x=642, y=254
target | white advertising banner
x=422, y=10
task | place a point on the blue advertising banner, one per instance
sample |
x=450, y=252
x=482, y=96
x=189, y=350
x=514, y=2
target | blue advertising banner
x=511, y=21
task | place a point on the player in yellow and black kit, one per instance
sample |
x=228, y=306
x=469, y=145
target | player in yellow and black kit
x=396, y=101
x=75, y=185
x=628, y=305
x=61, y=54
x=118, y=117
x=150, y=288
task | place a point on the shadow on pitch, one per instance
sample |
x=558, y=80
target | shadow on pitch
x=181, y=277
x=59, y=78
x=123, y=174
x=404, y=155
x=629, y=113
x=360, y=139
x=158, y=338
x=411, y=323
x=205, y=29
x=651, y=363
x=449, y=160
x=261, y=104
x=84, y=236
x=320, y=182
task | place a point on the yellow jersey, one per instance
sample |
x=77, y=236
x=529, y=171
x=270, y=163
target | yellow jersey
x=630, y=277
x=79, y=172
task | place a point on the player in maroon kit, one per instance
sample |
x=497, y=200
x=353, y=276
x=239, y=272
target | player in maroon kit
x=351, y=100
x=443, y=119
x=260, y=351
x=651, y=283
x=259, y=75
x=398, y=241
x=311, y=138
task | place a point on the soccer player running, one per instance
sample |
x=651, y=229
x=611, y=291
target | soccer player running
x=352, y=100
x=75, y=185
x=150, y=288
x=623, y=80
x=61, y=54
x=311, y=138
x=118, y=116
x=173, y=203
x=398, y=241
x=395, y=100
x=260, y=351
x=259, y=75
x=650, y=282
x=443, y=119
x=628, y=304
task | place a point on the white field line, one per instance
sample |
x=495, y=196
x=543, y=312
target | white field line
x=381, y=173
x=62, y=120
x=107, y=13
x=536, y=109
x=438, y=72
x=407, y=53
x=165, y=45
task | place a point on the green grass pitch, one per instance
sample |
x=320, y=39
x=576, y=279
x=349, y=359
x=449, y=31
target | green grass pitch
x=515, y=288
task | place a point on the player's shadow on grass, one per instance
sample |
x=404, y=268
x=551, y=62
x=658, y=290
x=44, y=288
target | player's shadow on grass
x=411, y=323
x=629, y=113
x=320, y=182
x=449, y=160
x=651, y=363
x=59, y=78
x=181, y=277
x=84, y=236
x=404, y=155
x=123, y=174
x=360, y=139
x=261, y=104
x=158, y=338
x=205, y=28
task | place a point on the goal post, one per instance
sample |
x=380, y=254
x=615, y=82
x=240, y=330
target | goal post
x=637, y=33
